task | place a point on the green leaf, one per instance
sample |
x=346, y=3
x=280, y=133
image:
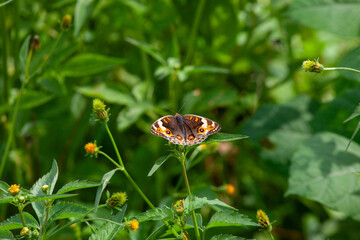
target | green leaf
x=158, y=163
x=198, y=203
x=104, y=181
x=106, y=93
x=108, y=230
x=323, y=171
x=88, y=64
x=63, y=210
x=53, y=196
x=340, y=17
x=4, y=3
x=355, y=114
x=199, y=221
x=353, y=135
x=155, y=214
x=14, y=222
x=226, y=237
x=24, y=52
x=157, y=232
x=49, y=179
x=351, y=60
x=83, y=10
x=230, y=219
x=6, y=235
x=223, y=137
x=77, y=184
x=4, y=186
x=6, y=198
x=147, y=48
x=130, y=115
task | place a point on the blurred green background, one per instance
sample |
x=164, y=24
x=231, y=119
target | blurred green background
x=236, y=62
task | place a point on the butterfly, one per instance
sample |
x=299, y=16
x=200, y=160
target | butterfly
x=184, y=130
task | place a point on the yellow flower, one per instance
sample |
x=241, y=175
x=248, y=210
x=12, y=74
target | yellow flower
x=132, y=225
x=91, y=148
x=230, y=189
x=24, y=231
x=263, y=219
x=14, y=189
x=66, y=21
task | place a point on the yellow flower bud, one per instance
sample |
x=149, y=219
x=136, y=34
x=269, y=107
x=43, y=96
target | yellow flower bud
x=14, y=189
x=66, y=21
x=99, y=110
x=132, y=225
x=263, y=219
x=24, y=231
x=117, y=199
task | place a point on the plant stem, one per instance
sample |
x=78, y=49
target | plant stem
x=190, y=48
x=123, y=169
x=22, y=216
x=182, y=161
x=271, y=236
x=16, y=110
x=343, y=68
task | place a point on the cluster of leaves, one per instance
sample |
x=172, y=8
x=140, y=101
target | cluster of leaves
x=237, y=62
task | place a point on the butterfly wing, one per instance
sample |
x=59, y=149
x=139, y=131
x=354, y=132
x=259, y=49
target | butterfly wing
x=167, y=127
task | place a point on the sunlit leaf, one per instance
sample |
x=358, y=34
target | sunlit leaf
x=230, y=219
x=197, y=203
x=15, y=222
x=323, y=171
x=78, y=184
x=155, y=214
x=226, y=237
x=224, y=137
x=6, y=234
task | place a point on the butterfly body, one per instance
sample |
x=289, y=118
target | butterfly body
x=184, y=130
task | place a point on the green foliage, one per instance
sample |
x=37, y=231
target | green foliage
x=236, y=62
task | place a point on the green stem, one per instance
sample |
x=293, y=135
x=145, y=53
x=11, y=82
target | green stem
x=16, y=110
x=343, y=68
x=115, y=147
x=123, y=169
x=271, y=236
x=193, y=33
x=182, y=161
x=22, y=216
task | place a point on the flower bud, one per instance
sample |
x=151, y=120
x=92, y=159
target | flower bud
x=312, y=66
x=117, y=200
x=66, y=22
x=263, y=220
x=230, y=189
x=99, y=110
x=179, y=207
x=24, y=231
x=22, y=199
x=45, y=188
x=35, y=233
x=132, y=225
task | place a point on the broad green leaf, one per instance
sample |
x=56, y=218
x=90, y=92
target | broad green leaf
x=83, y=10
x=108, y=230
x=6, y=235
x=226, y=237
x=77, y=184
x=63, y=210
x=198, y=203
x=355, y=114
x=340, y=17
x=199, y=221
x=323, y=171
x=88, y=64
x=158, y=163
x=52, y=196
x=224, y=137
x=131, y=114
x=49, y=179
x=104, y=181
x=147, y=48
x=6, y=198
x=106, y=93
x=4, y=186
x=14, y=222
x=157, y=232
x=29, y=99
x=351, y=60
x=24, y=52
x=230, y=219
x=155, y=214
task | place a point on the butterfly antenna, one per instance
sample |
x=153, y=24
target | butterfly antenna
x=181, y=107
x=168, y=108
